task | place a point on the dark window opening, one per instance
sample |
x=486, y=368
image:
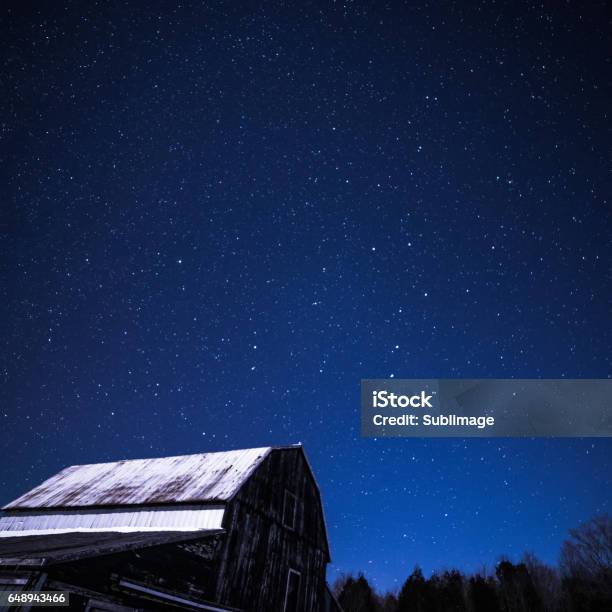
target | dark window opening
x=289, y=510
x=292, y=595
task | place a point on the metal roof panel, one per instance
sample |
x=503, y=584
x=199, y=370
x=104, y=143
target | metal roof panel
x=124, y=520
x=204, y=477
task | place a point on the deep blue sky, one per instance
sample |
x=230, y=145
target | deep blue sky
x=216, y=220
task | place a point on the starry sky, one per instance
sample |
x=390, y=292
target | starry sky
x=216, y=219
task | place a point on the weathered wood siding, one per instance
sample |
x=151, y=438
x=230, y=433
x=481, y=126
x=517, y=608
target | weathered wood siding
x=259, y=550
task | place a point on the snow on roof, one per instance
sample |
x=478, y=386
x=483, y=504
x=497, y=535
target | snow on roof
x=205, y=477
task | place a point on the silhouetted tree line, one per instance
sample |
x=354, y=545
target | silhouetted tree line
x=581, y=583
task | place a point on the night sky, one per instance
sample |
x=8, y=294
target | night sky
x=216, y=219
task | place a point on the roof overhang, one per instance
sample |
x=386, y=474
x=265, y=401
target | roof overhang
x=36, y=550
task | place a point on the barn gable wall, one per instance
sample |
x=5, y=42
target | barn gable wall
x=258, y=550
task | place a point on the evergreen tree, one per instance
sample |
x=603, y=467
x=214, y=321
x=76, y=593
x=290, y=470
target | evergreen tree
x=483, y=595
x=449, y=593
x=415, y=595
x=517, y=592
x=357, y=595
x=388, y=603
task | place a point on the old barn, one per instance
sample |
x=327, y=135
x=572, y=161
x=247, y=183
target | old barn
x=236, y=530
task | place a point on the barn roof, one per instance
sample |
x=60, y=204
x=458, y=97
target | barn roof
x=200, y=478
x=186, y=493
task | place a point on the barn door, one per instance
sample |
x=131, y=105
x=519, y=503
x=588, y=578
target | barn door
x=292, y=594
